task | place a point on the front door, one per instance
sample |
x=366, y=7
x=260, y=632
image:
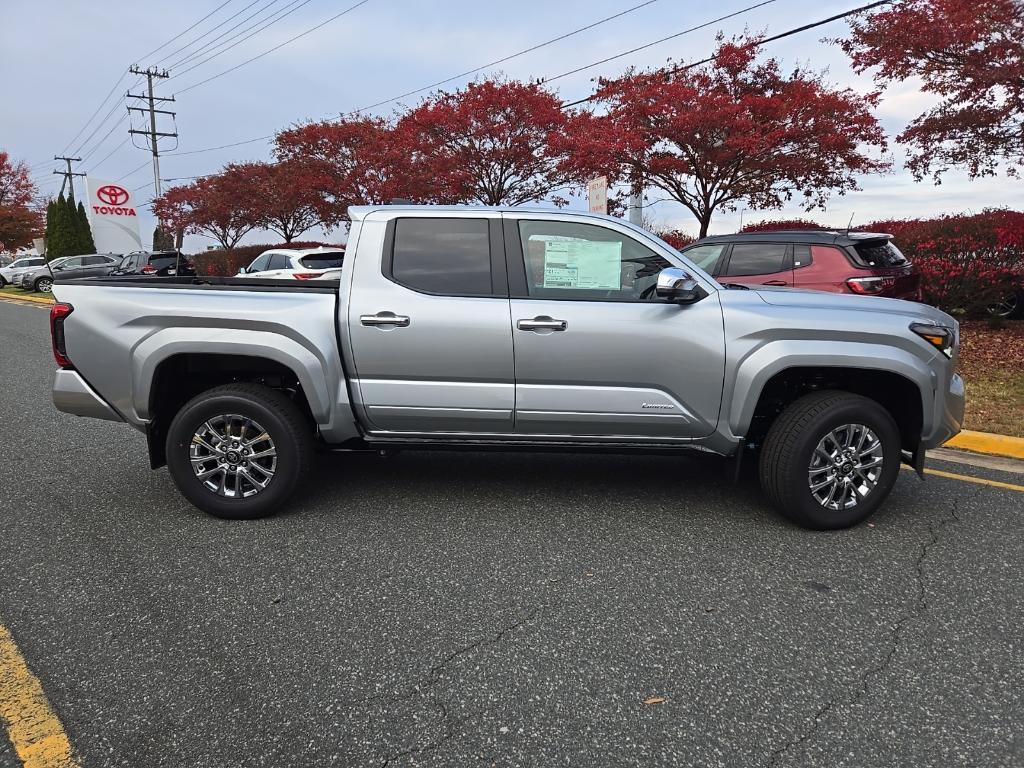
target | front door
x=597, y=354
x=431, y=333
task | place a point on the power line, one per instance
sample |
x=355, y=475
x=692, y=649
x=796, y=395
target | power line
x=276, y=47
x=102, y=103
x=99, y=144
x=111, y=153
x=185, y=31
x=758, y=44
x=657, y=42
x=222, y=146
x=133, y=171
x=516, y=55
x=246, y=34
x=213, y=29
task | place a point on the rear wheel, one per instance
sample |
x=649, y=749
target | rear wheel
x=1008, y=306
x=239, y=451
x=43, y=285
x=830, y=459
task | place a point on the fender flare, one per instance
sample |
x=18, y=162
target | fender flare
x=308, y=368
x=756, y=369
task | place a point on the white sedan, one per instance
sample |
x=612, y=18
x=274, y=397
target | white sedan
x=299, y=264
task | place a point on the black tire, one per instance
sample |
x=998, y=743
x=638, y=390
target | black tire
x=280, y=417
x=791, y=442
x=3, y=282
x=43, y=285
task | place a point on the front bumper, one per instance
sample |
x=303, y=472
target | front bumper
x=949, y=413
x=71, y=394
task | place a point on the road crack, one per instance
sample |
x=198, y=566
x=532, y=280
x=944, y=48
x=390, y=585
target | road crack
x=896, y=634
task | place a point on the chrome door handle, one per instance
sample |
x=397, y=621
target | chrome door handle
x=385, y=318
x=542, y=323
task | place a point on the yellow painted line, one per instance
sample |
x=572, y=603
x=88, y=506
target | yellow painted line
x=969, y=479
x=28, y=299
x=32, y=727
x=985, y=442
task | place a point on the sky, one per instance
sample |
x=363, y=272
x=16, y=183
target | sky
x=59, y=60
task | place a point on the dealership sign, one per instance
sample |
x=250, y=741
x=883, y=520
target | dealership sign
x=113, y=218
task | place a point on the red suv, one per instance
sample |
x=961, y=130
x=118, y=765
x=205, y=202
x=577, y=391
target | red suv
x=865, y=263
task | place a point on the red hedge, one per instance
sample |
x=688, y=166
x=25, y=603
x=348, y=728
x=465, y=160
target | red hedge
x=773, y=225
x=967, y=262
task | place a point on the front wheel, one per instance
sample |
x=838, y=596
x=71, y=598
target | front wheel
x=43, y=285
x=830, y=459
x=239, y=451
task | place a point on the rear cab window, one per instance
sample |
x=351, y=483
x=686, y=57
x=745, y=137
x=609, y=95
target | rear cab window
x=448, y=257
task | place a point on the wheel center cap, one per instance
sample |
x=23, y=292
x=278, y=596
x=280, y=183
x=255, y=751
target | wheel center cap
x=232, y=457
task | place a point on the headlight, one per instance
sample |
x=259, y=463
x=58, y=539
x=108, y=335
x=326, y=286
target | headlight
x=940, y=337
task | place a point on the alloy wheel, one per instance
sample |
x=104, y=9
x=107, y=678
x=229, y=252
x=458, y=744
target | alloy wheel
x=845, y=467
x=233, y=456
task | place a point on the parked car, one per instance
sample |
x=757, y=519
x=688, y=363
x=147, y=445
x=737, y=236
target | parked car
x=510, y=328
x=26, y=278
x=160, y=263
x=863, y=263
x=18, y=267
x=87, y=265
x=299, y=264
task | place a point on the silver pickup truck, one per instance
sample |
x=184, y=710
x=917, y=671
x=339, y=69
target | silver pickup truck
x=494, y=328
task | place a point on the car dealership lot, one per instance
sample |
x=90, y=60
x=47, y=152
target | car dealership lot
x=507, y=609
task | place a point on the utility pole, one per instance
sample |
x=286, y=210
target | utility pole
x=69, y=175
x=152, y=133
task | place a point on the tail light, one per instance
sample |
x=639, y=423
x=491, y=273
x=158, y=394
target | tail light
x=307, y=275
x=58, y=314
x=869, y=286
x=149, y=269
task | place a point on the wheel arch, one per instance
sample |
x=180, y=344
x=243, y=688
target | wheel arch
x=892, y=377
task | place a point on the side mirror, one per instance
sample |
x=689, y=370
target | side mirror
x=678, y=286
x=242, y=270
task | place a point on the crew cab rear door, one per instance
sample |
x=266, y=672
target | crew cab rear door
x=429, y=324
x=597, y=354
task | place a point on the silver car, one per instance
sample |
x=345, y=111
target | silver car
x=12, y=272
x=88, y=265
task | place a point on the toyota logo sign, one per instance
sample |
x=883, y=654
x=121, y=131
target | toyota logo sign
x=111, y=194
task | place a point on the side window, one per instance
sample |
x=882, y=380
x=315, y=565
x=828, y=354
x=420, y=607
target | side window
x=583, y=261
x=443, y=256
x=706, y=256
x=801, y=256
x=756, y=259
x=74, y=263
x=259, y=264
x=279, y=261
x=92, y=261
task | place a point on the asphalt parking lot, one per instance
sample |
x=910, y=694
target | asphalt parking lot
x=498, y=609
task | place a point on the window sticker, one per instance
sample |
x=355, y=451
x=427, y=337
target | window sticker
x=583, y=264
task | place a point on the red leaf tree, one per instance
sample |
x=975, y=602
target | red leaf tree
x=968, y=53
x=20, y=219
x=348, y=162
x=732, y=131
x=220, y=206
x=282, y=195
x=488, y=144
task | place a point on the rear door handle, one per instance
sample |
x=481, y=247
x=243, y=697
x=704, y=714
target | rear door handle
x=774, y=282
x=385, y=319
x=541, y=323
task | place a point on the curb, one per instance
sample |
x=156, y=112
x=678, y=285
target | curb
x=26, y=298
x=985, y=442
